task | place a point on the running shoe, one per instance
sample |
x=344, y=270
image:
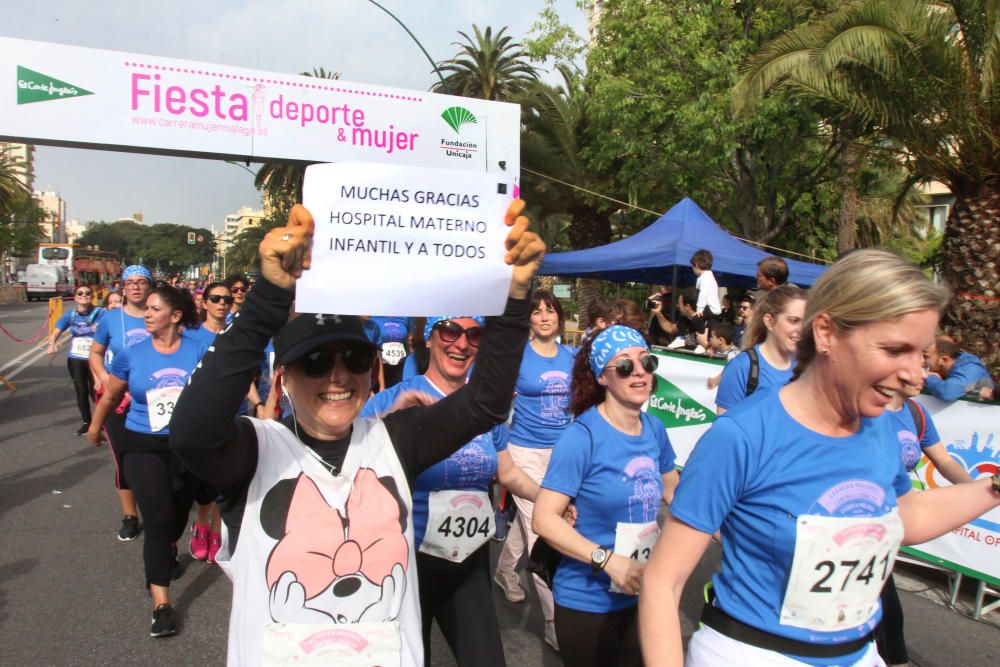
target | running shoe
x=199, y=541
x=83, y=429
x=164, y=623
x=214, y=544
x=510, y=584
x=129, y=530
x=550, y=635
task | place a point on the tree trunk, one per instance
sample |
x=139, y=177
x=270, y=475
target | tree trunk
x=587, y=291
x=970, y=254
x=849, y=198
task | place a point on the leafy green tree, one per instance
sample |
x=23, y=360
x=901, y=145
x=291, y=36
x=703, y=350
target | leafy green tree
x=163, y=245
x=488, y=67
x=924, y=78
x=242, y=255
x=20, y=229
x=660, y=125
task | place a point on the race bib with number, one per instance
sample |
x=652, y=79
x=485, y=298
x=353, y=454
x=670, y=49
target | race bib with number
x=393, y=353
x=79, y=347
x=160, y=402
x=458, y=523
x=350, y=645
x=838, y=569
x=636, y=541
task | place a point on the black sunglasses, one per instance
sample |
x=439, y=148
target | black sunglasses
x=237, y=288
x=84, y=293
x=216, y=298
x=321, y=362
x=625, y=367
x=451, y=331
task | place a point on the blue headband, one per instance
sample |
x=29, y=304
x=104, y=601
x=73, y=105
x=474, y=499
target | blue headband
x=137, y=270
x=610, y=342
x=431, y=321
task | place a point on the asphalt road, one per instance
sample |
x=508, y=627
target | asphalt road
x=71, y=594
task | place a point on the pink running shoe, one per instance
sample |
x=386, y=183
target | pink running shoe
x=199, y=541
x=214, y=544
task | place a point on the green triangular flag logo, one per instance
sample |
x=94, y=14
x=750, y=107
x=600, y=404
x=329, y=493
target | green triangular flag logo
x=456, y=117
x=675, y=408
x=34, y=86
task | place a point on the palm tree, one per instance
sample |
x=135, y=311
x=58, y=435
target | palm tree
x=553, y=119
x=282, y=181
x=11, y=188
x=487, y=67
x=924, y=77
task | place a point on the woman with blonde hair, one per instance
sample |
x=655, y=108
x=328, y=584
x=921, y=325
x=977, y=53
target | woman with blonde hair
x=806, y=487
x=768, y=356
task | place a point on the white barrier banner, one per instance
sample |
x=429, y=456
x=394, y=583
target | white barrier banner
x=425, y=241
x=970, y=431
x=68, y=95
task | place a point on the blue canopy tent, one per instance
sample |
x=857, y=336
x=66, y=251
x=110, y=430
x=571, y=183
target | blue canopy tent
x=661, y=254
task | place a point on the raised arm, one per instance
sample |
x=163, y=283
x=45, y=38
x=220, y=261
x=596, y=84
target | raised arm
x=424, y=436
x=215, y=447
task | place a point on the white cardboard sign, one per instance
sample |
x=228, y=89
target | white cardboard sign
x=405, y=241
x=74, y=96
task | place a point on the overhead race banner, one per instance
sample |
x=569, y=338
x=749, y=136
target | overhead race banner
x=427, y=241
x=89, y=98
x=970, y=432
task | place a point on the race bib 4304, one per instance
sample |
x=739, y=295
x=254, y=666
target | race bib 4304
x=839, y=567
x=458, y=523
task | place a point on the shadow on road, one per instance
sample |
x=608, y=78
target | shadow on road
x=10, y=572
x=22, y=487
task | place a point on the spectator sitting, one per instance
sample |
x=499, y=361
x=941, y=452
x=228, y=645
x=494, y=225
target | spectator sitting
x=720, y=340
x=708, y=288
x=953, y=373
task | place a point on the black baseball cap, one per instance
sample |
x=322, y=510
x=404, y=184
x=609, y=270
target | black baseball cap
x=310, y=330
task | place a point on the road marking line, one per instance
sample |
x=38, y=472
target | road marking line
x=13, y=362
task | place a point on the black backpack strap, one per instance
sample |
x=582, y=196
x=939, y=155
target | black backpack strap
x=754, y=375
x=919, y=418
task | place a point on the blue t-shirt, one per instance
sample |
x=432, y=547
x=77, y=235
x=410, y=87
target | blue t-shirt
x=733, y=385
x=373, y=332
x=143, y=368
x=541, y=408
x=204, y=336
x=80, y=326
x=394, y=329
x=907, y=432
x=471, y=467
x=613, y=477
x=753, y=473
x=411, y=369
x=119, y=330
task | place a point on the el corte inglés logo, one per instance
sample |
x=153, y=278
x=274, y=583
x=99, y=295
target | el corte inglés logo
x=675, y=408
x=34, y=86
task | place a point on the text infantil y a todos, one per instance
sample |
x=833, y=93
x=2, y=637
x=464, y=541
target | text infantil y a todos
x=181, y=100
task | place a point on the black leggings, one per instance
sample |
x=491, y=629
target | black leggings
x=609, y=639
x=164, y=493
x=83, y=385
x=891, y=644
x=114, y=428
x=458, y=595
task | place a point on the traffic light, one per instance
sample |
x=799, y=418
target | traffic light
x=190, y=238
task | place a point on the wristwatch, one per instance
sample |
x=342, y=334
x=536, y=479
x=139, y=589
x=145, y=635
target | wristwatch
x=599, y=558
x=995, y=479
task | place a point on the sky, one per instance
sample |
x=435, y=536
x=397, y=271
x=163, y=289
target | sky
x=353, y=37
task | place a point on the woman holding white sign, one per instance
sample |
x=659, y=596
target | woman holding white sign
x=617, y=465
x=806, y=486
x=317, y=508
x=155, y=371
x=453, y=517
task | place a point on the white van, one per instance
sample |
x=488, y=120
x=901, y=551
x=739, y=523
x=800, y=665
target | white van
x=46, y=281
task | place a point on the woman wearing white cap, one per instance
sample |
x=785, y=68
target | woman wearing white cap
x=324, y=566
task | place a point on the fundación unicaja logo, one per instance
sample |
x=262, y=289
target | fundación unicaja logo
x=34, y=86
x=456, y=117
